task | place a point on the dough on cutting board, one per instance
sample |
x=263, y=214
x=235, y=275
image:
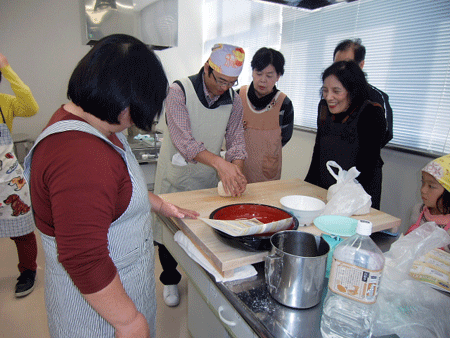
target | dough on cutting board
x=221, y=190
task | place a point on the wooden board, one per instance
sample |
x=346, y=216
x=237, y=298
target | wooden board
x=226, y=258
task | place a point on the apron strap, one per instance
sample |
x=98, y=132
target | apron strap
x=3, y=116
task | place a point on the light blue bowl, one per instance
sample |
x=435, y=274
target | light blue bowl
x=336, y=225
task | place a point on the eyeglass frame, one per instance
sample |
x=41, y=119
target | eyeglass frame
x=222, y=83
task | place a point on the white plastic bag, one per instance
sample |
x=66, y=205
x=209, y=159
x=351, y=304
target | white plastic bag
x=346, y=197
x=407, y=307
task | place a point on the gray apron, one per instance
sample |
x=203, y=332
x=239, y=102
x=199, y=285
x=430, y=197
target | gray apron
x=130, y=243
x=16, y=216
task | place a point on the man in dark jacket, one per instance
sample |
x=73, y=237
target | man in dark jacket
x=352, y=50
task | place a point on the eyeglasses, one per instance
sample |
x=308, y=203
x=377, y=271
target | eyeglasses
x=222, y=83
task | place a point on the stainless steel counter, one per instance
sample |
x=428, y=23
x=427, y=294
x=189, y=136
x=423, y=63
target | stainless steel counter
x=271, y=319
x=251, y=299
x=265, y=315
x=146, y=153
x=145, y=150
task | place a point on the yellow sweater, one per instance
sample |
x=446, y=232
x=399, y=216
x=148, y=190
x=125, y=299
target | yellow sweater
x=23, y=104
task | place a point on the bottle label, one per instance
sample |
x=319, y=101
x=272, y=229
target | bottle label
x=354, y=282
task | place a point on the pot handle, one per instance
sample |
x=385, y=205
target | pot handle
x=272, y=268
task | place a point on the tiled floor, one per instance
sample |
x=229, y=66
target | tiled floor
x=26, y=317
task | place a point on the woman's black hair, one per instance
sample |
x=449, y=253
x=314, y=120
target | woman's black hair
x=120, y=71
x=443, y=202
x=352, y=78
x=268, y=56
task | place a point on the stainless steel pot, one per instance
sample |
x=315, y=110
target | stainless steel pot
x=295, y=268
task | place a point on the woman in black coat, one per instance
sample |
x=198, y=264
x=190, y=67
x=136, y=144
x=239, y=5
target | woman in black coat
x=350, y=130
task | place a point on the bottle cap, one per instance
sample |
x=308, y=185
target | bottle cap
x=364, y=227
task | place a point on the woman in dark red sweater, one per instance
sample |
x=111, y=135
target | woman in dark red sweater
x=91, y=202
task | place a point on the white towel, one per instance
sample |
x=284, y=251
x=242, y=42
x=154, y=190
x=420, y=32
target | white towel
x=178, y=160
x=192, y=251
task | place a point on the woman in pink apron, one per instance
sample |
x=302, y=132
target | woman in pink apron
x=435, y=193
x=16, y=216
x=90, y=198
x=268, y=117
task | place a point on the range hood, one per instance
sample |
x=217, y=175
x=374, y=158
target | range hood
x=155, y=22
x=308, y=4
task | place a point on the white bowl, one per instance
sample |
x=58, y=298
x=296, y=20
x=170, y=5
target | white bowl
x=305, y=208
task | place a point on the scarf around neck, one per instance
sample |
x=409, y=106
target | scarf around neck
x=260, y=103
x=440, y=220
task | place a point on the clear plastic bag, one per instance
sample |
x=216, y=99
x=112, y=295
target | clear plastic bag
x=346, y=197
x=407, y=307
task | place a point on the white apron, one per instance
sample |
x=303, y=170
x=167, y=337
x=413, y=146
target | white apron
x=130, y=243
x=16, y=216
x=208, y=126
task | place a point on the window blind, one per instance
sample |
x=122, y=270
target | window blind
x=408, y=56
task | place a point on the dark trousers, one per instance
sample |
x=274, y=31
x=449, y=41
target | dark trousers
x=170, y=275
x=374, y=187
x=27, y=251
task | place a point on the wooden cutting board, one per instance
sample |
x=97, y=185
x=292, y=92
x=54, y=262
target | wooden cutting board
x=226, y=258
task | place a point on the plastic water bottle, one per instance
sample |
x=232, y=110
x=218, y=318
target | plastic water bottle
x=349, y=307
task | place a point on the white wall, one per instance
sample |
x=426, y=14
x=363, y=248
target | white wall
x=42, y=41
x=186, y=58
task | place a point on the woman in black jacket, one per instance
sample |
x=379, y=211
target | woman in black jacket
x=350, y=129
